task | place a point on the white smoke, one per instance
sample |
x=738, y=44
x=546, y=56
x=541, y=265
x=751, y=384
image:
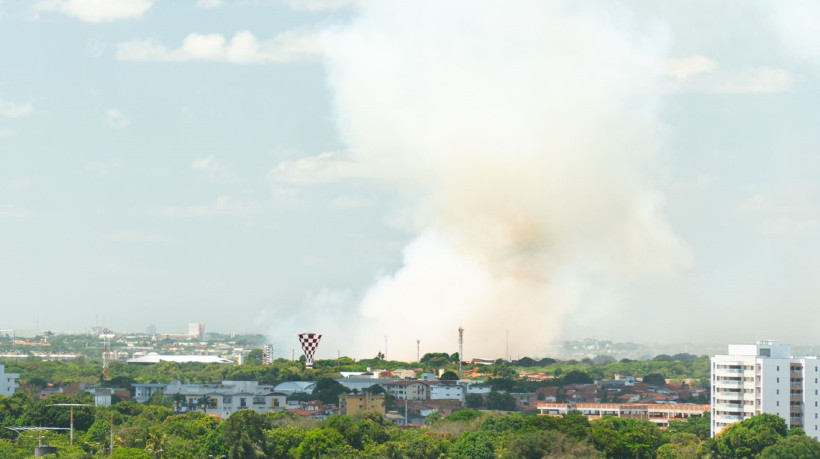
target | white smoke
x=525, y=134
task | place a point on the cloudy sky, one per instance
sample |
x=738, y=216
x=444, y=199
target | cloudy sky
x=640, y=171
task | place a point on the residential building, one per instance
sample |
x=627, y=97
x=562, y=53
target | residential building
x=765, y=378
x=350, y=404
x=268, y=354
x=443, y=391
x=408, y=390
x=8, y=382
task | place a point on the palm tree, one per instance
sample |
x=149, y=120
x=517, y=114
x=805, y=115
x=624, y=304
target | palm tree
x=206, y=402
x=178, y=399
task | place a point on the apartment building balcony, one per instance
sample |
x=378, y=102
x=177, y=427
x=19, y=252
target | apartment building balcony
x=728, y=372
x=727, y=396
x=728, y=384
x=733, y=407
x=729, y=419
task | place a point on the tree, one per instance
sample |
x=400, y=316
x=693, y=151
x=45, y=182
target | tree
x=449, y=375
x=254, y=357
x=501, y=401
x=793, y=447
x=243, y=434
x=540, y=444
x=472, y=445
x=654, y=379
x=323, y=443
x=747, y=438
x=206, y=402
x=681, y=445
x=328, y=390
x=474, y=401
x=178, y=400
x=577, y=377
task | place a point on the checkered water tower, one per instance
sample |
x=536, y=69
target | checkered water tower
x=309, y=341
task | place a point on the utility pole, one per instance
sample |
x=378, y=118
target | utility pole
x=111, y=448
x=385, y=347
x=507, y=353
x=460, y=347
x=418, y=348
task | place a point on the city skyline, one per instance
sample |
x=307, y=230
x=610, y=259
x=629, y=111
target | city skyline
x=377, y=169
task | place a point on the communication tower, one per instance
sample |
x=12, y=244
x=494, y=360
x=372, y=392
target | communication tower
x=309, y=342
x=106, y=337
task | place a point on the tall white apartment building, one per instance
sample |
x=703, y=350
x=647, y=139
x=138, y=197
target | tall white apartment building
x=765, y=378
x=8, y=382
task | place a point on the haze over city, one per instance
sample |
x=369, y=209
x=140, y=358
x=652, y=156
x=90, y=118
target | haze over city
x=636, y=171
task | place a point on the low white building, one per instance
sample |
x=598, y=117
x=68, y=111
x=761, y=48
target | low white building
x=227, y=397
x=143, y=392
x=8, y=382
x=442, y=391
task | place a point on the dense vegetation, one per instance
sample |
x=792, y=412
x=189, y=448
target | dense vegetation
x=146, y=431
x=39, y=373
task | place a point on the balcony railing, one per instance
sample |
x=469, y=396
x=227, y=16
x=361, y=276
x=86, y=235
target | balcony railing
x=734, y=384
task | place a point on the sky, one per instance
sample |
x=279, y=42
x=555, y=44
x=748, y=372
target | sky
x=384, y=172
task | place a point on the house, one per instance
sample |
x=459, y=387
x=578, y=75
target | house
x=525, y=400
x=350, y=404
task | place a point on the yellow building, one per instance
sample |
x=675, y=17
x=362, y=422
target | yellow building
x=350, y=404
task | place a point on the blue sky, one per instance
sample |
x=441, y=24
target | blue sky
x=366, y=169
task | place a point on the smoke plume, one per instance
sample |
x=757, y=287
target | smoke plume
x=525, y=136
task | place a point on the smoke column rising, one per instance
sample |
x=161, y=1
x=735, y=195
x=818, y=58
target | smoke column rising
x=525, y=135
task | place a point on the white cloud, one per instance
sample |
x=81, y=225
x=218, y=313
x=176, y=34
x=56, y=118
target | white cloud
x=289, y=176
x=223, y=206
x=6, y=133
x=323, y=168
x=96, y=10
x=116, y=118
x=133, y=236
x=243, y=48
x=15, y=110
x=209, y=4
x=699, y=74
x=213, y=171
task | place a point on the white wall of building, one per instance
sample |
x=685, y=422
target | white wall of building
x=447, y=392
x=765, y=378
x=8, y=382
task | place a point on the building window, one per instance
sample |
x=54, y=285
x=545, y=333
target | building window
x=777, y=403
x=778, y=368
x=778, y=379
x=778, y=390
